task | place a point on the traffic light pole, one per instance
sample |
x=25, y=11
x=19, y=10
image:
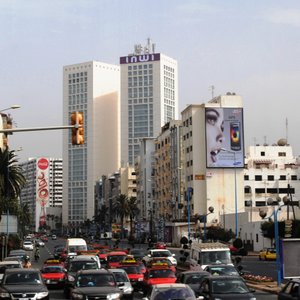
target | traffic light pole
x=39, y=128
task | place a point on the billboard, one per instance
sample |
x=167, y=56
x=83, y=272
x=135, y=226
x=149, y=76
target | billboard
x=290, y=258
x=139, y=58
x=224, y=134
x=42, y=191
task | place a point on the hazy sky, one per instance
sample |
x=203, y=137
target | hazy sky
x=250, y=47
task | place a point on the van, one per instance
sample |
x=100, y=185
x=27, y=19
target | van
x=74, y=245
x=204, y=254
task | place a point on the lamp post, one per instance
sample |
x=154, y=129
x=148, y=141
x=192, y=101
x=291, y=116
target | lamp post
x=263, y=216
x=235, y=191
x=189, y=191
x=15, y=106
x=211, y=210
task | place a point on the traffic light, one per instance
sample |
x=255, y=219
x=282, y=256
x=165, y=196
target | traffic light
x=77, y=130
x=288, y=228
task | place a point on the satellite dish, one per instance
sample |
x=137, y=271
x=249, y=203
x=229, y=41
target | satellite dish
x=285, y=199
x=278, y=199
x=270, y=201
x=282, y=142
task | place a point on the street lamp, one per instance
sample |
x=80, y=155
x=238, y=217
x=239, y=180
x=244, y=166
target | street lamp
x=211, y=210
x=15, y=106
x=263, y=215
x=235, y=191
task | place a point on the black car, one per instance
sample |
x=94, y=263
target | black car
x=23, y=284
x=222, y=270
x=225, y=287
x=193, y=279
x=96, y=284
x=138, y=254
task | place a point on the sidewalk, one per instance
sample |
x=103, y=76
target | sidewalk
x=269, y=287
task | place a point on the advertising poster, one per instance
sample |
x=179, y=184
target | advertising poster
x=224, y=137
x=42, y=191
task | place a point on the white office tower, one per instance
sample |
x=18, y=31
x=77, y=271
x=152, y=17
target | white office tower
x=149, y=97
x=92, y=88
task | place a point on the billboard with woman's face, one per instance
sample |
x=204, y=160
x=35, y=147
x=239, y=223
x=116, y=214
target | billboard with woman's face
x=224, y=137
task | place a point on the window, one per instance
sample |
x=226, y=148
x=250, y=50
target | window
x=281, y=154
x=258, y=178
x=282, y=177
x=271, y=177
x=262, y=153
x=247, y=189
x=246, y=177
x=260, y=203
x=259, y=190
x=294, y=177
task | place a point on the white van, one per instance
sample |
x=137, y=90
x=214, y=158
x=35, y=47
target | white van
x=204, y=254
x=74, y=245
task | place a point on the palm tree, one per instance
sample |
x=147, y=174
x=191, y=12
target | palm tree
x=120, y=208
x=24, y=218
x=133, y=211
x=11, y=180
x=101, y=217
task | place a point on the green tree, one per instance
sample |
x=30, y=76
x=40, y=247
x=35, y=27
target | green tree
x=120, y=209
x=133, y=211
x=101, y=217
x=24, y=218
x=11, y=181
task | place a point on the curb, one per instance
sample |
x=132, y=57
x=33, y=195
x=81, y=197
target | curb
x=264, y=288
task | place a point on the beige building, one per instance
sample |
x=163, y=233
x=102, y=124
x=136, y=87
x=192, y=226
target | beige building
x=93, y=88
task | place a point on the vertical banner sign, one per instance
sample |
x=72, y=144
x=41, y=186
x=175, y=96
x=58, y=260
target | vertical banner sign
x=42, y=191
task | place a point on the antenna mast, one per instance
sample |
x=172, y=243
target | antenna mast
x=212, y=87
x=286, y=130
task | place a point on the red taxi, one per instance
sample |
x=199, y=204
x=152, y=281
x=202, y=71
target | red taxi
x=54, y=273
x=160, y=245
x=114, y=259
x=134, y=272
x=159, y=260
x=159, y=273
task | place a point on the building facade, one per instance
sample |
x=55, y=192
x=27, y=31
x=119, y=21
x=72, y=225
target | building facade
x=92, y=88
x=43, y=190
x=149, y=97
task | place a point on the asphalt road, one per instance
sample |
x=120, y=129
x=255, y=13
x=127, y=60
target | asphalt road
x=250, y=264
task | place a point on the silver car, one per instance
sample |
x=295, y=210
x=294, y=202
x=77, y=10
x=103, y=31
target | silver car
x=122, y=277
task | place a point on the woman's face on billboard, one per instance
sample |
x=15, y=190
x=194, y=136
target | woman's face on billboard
x=214, y=133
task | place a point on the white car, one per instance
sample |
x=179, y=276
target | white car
x=160, y=253
x=27, y=245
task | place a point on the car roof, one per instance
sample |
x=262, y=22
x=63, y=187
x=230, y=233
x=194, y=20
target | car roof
x=83, y=258
x=117, y=271
x=195, y=272
x=9, y=262
x=117, y=253
x=22, y=270
x=93, y=271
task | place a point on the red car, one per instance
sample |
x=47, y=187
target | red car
x=160, y=245
x=161, y=260
x=158, y=274
x=54, y=275
x=134, y=272
x=114, y=259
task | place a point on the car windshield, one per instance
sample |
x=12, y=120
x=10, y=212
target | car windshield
x=235, y=286
x=82, y=265
x=165, y=253
x=121, y=277
x=22, y=278
x=165, y=273
x=95, y=280
x=115, y=258
x=174, y=293
x=215, y=257
x=226, y=270
x=53, y=269
x=194, y=278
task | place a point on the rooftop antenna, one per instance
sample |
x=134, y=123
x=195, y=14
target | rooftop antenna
x=286, y=130
x=212, y=87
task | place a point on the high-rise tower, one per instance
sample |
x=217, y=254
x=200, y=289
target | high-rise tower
x=149, y=97
x=93, y=88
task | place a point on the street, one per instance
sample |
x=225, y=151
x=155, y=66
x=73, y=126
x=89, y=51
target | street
x=250, y=264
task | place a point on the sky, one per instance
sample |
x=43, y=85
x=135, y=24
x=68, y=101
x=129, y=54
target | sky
x=251, y=48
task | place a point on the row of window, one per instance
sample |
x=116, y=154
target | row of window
x=77, y=80
x=135, y=73
x=141, y=92
x=291, y=190
x=143, y=100
x=135, y=67
x=76, y=75
x=271, y=177
x=135, y=81
x=188, y=135
x=187, y=122
x=168, y=93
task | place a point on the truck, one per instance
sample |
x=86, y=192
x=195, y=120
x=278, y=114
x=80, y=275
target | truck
x=204, y=254
x=74, y=245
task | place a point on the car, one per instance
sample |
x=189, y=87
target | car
x=39, y=243
x=58, y=251
x=76, y=264
x=138, y=254
x=267, y=254
x=123, y=282
x=160, y=245
x=225, y=287
x=161, y=260
x=171, y=291
x=114, y=258
x=291, y=290
x=96, y=284
x=222, y=270
x=28, y=245
x=160, y=253
x=158, y=274
x=53, y=237
x=54, y=275
x=192, y=279
x=23, y=284
x=134, y=272
x=4, y=265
